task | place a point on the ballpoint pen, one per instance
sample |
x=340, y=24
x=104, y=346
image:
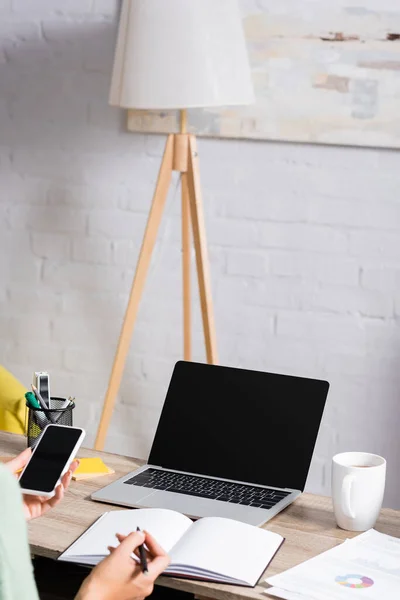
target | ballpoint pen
x=43, y=404
x=142, y=554
x=67, y=402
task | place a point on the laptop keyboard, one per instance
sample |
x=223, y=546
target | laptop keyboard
x=203, y=487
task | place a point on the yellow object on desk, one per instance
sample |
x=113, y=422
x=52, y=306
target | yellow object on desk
x=91, y=467
x=12, y=403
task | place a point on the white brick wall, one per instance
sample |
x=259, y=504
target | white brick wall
x=304, y=247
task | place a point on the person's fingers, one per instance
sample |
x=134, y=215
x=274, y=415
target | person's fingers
x=154, y=547
x=135, y=553
x=40, y=498
x=58, y=496
x=160, y=559
x=66, y=479
x=131, y=541
x=74, y=465
x=111, y=549
x=19, y=462
x=157, y=566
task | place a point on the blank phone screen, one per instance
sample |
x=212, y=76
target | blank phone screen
x=49, y=459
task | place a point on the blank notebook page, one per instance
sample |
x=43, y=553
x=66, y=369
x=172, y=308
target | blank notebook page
x=166, y=526
x=212, y=545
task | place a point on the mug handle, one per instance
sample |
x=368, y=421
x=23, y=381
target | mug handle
x=346, y=495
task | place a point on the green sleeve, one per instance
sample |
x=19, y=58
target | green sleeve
x=16, y=572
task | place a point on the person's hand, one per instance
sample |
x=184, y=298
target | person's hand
x=36, y=506
x=119, y=576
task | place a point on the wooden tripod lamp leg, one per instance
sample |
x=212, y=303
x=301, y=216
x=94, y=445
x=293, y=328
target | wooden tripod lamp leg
x=181, y=164
x=200, y=244
x=160, y=194
x=187, y=313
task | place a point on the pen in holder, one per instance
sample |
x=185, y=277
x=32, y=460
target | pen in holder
x=39, y=418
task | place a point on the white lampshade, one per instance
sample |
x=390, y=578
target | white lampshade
x=175, y=54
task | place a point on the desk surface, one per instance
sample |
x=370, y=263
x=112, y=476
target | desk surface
x=308, y=525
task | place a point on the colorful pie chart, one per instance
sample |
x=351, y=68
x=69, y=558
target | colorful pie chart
x=354, y=581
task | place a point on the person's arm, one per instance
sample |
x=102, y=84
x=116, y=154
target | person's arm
x=16, y=572
x=117, y=577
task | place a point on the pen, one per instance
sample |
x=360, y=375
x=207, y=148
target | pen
x=142, y=554
x=64, y=404
x=39, y=397
x=62, y=408
x=42, y=404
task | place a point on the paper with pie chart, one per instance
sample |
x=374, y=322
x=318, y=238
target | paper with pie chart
x=368, y=566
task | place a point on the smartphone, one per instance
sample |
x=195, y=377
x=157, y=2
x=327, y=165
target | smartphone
x=50, y=459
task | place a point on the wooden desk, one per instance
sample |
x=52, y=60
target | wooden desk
x=307, y=525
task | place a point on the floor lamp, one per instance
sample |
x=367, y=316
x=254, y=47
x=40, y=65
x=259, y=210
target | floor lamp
x=176, y=54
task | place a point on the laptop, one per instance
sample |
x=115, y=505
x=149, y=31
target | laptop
x=230, y=443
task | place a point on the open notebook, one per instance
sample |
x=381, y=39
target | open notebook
x=211, y=549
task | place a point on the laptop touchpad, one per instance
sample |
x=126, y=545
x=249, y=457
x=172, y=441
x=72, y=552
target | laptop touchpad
x=119, y=493
x=202, y=507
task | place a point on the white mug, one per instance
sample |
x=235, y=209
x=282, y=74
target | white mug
x=358, y=485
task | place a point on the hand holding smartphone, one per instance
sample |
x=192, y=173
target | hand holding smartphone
x=50, y=459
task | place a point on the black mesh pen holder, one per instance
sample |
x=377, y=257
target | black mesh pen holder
x=39, y=418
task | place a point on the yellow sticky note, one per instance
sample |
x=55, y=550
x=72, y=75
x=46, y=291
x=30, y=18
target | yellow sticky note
x=91, y=467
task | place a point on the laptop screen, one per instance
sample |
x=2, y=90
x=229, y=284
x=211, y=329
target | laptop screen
x=237, y=424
